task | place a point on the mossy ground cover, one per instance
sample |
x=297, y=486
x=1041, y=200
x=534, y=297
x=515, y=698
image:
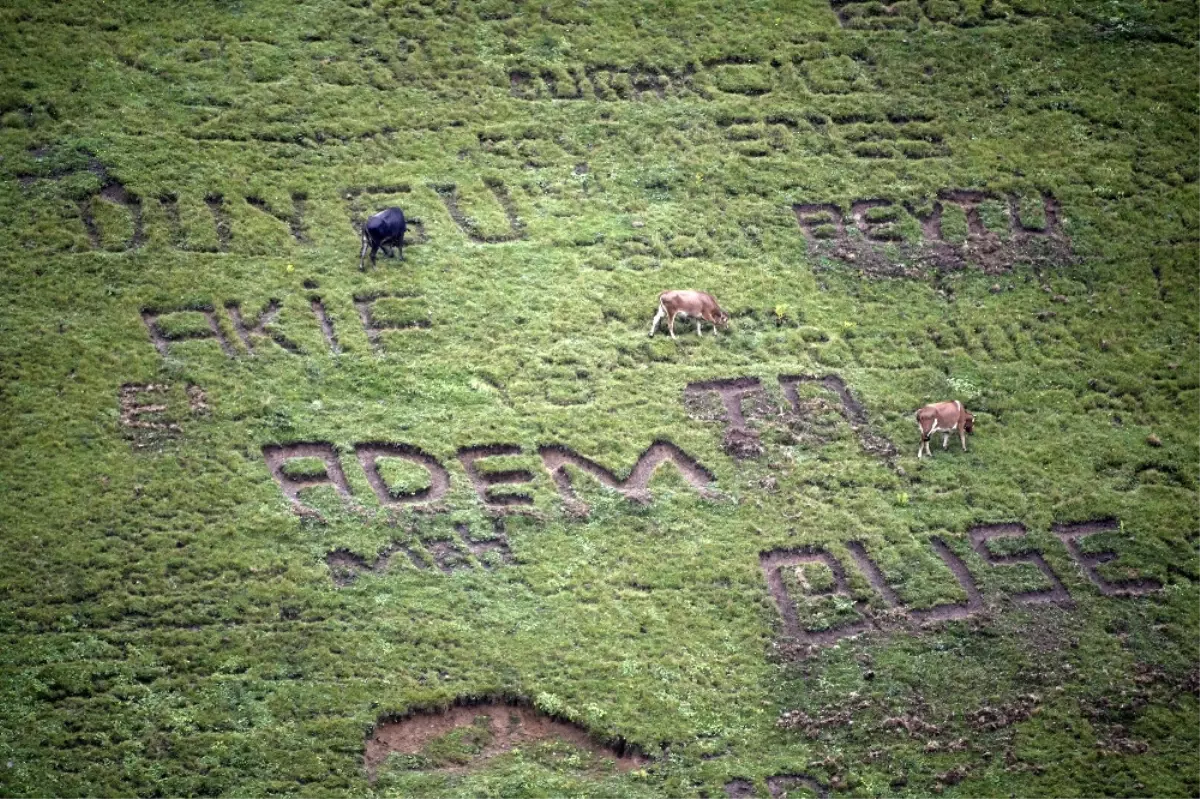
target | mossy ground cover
x=256, y=502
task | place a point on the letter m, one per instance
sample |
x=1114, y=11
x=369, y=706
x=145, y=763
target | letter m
x=635, y=487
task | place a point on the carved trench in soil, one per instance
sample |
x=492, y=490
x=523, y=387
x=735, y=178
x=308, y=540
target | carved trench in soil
x=509, y=723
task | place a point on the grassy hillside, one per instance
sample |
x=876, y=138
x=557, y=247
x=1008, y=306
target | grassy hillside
x=273, y=525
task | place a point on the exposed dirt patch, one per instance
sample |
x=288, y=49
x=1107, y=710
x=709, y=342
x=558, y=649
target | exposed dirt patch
x=773, y=563
x=294, y=220
x=989, y=717
x=259, y=328
x=439, y=479
x=482, y=547
x=449, y=195
x=345, y=567
x=517, y=81
x=825, y=228
x=114, y=191
x=1114, y=712
x=111, y=190
x=224, y=225
x=874, y=576
x=500, y=724
x=162, y=340
x=739, y=789
x=1072, y=534
x=277, y=457
x=636, y=486
x=981, y=534
x=830, y=717
x=958, y=610
x=740, y=441
x=446, y=555
x=198, y=400
x=800, y=642
x=781, y=785
x=742, y=444
x=373, y=327
x=134, y=406
x=151, y=412
x=852, y=408
x=484, y=481
x=143, y=414
x=872, y=230
x=318, y=309
x=731, y=391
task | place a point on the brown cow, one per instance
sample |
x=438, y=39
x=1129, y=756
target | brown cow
x=700, y=306
x=945, y=418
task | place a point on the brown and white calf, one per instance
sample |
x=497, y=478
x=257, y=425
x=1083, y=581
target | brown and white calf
x=945, y=418
x=687, y=303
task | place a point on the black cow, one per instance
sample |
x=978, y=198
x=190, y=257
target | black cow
x=383, y=230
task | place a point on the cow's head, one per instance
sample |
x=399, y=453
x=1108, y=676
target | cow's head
x=968, y=421
x=722, y=318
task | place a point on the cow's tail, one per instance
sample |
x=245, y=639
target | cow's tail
x=366, y=243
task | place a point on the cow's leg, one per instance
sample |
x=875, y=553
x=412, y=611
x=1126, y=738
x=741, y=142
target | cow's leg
x=671, y=324
x=714, y=324
x=699, y=332
x=661, y=313
x=362, y=254
x=962, y=437
x=945, y=440
x=388, y=251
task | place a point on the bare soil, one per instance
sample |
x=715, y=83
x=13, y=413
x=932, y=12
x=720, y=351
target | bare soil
x=636, y=485
x=511, y=724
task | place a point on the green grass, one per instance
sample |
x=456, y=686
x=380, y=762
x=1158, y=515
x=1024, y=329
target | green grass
x=168, y=622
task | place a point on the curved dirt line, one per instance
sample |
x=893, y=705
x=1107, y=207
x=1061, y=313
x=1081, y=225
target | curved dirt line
x=369, y=455
x=510, y=723
x=635, y=487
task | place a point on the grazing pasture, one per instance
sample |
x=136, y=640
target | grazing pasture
x=456, y=526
